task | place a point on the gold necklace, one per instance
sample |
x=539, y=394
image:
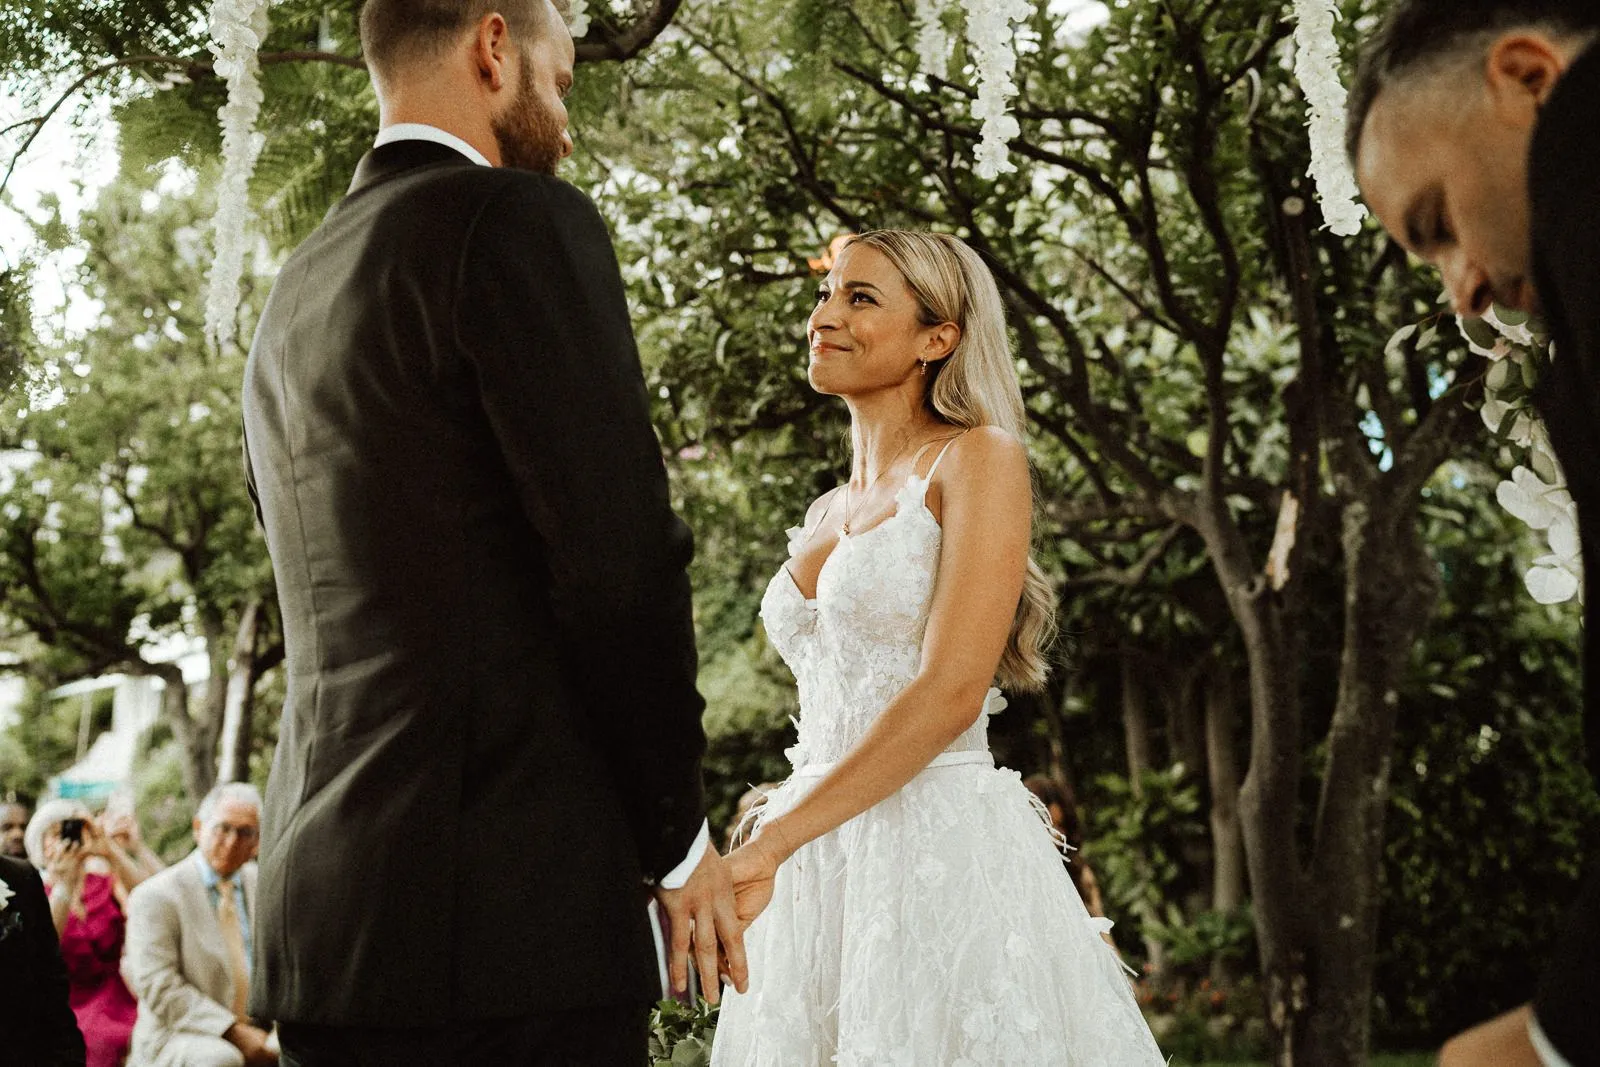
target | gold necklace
x=849, y=512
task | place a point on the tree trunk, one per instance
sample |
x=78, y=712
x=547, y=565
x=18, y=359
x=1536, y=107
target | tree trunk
x=1185, y=728
x=1270, y=791
x=1136, y=731
x=1316, y=924
x=1186, y=746
x=237, y=724
x=198, y=776
x=1390, y=591
x=208, y=725
x=1227, y=837
x=1054, y=713
x=1135, y=723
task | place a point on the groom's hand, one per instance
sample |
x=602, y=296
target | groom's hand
x=701, y=916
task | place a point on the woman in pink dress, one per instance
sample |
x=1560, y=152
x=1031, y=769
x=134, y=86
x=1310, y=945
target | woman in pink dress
x=88, y=876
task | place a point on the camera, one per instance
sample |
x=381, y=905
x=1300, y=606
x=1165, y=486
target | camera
x=72, y=829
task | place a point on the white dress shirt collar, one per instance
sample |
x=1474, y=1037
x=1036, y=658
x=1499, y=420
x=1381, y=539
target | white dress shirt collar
x=1541, y=1045
x=418, y=131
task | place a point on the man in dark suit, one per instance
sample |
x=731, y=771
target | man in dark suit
x=491, y=743
x=37, y=1027
x=1475, y=136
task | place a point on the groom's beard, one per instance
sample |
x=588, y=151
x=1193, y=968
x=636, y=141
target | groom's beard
x=529, y=137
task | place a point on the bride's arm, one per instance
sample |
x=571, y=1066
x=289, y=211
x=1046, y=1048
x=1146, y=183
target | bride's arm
x=986, y=512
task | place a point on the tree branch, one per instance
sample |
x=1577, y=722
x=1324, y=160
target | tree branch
x=1134, y=576
x=805, y=166
x=629, y=41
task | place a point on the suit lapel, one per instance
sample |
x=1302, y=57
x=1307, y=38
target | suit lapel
x=196, y=896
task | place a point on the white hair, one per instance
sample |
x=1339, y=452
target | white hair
x=50, y=814
x=241, y=792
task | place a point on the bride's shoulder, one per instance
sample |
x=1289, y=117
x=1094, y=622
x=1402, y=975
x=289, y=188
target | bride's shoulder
x=980, y=453
x=987, y=466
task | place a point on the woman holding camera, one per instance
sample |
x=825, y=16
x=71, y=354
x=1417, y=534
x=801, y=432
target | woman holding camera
x=88, y=876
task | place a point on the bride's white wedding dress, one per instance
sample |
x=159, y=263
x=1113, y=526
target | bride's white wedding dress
x=939, y=928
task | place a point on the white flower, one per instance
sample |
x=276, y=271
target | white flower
x=1563, y=535
x=1558, y=577
x=1316, y=64
x=578, y=18
x=798, y=536
x=1537, y=493
x=1531, y=499
x=237, y=30
x=1551, y=582
x=993, y=46
x=933, y=40
x=6, y=893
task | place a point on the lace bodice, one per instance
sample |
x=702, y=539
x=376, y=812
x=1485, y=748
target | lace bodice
x=859, y=642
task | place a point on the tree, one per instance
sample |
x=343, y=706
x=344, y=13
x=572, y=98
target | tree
x=17, y=341
x=129, y=531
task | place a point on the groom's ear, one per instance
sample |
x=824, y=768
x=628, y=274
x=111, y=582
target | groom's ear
x=492, y=51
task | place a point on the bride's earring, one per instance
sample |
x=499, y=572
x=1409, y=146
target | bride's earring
x=923, y=365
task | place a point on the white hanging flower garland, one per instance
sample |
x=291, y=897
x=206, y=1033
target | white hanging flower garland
x=991, y=40
x=994, y=51
x=237, y=29
x=933, y=40
x=1316, y=65
x=1537, y=491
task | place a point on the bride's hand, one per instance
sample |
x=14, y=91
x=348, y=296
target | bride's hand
x=753, y=866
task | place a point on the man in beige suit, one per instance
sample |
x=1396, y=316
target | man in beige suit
x=187, y=956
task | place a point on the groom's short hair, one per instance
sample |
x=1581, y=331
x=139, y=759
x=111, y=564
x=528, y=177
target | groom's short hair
x=394, y=32
x=1424, y=36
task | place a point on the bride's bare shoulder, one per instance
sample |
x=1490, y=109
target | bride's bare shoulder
x=985, y=463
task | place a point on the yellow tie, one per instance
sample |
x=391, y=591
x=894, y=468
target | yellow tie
x=233, y=938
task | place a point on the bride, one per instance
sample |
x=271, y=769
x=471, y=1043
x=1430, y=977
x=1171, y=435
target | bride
x=910, y=906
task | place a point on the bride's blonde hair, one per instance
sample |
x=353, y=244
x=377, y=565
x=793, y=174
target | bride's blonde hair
x=975, y=386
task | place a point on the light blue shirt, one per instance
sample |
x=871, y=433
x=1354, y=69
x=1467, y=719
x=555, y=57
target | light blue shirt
x=213, y=883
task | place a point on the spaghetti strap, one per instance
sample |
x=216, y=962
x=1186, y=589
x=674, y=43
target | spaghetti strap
x=940, y=457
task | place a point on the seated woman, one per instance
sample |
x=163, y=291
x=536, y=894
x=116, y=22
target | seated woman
x=88, y=876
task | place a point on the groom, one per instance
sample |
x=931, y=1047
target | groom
x=490, y=744
x=1474, y=133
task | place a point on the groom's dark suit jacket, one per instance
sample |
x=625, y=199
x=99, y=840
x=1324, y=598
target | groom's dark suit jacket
x=491, y=736
x=37, y=1026
x=1564, y=183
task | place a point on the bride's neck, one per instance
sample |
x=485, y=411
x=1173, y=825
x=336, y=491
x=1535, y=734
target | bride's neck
x=883, y=432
